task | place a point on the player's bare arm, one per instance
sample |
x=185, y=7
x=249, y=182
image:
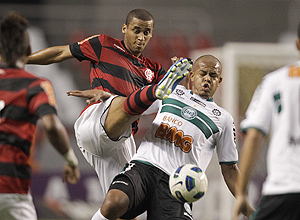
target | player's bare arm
x=50, y=55
x=92, y=95
x=58, y=137
x=250, y=154
x=231, y=174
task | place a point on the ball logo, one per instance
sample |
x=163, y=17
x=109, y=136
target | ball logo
x=188, y=113
x=149, y=75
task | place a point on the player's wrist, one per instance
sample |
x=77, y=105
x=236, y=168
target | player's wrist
x=71, y=158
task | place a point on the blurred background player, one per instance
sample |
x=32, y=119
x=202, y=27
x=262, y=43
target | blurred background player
x=186, y=130
x=24, y=98
x=274, y=107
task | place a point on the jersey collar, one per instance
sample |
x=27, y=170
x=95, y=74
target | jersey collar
x=140, y=57
x=209, y=100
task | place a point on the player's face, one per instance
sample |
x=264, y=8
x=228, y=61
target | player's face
x=205, y=78
x=137, y=35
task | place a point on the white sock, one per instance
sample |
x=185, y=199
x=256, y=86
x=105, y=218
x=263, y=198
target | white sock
x=98, y=216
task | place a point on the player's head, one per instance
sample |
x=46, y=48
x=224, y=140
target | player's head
x=137, y=30
x=14, y=40
x=139, y=14
x=205, y=76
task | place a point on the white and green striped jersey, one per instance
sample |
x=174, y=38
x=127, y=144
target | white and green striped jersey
x=187, y=129
x=275, y=108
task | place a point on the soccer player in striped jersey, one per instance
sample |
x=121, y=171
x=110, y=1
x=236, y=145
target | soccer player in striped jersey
x=117, y=67
x=188, y=127
x=274, y=109
x=24, y=99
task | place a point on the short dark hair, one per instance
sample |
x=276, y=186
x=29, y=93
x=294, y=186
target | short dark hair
x=140, y=14
x=14, y=40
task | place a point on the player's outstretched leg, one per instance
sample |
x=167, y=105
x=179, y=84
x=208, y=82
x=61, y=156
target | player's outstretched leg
x=137, y=102
x=174, y=75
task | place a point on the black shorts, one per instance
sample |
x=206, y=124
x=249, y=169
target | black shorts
x=148, y=190
x=278, y=207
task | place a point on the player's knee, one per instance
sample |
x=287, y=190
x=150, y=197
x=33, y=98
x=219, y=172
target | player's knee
x=115, y=204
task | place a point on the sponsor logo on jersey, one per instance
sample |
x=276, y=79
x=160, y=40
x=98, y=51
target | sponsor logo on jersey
x=188, y=113
x=172, y=120
x=173, y=135
x=179, y=92
x=149, y=75
x=216, y=112
x=294, y=71
x=198, y=101
x=120, y=48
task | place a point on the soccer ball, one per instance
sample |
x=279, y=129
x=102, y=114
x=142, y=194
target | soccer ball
x=188, y=183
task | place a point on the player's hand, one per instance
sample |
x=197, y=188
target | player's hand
x=92, y=95
x=242, y=206
x=71, y=174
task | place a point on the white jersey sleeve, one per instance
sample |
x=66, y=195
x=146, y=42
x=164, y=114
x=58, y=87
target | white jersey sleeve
x=226, y=142
x=258, y=114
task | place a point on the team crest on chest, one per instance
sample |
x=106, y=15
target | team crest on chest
x=188, y=113
x=149, y=75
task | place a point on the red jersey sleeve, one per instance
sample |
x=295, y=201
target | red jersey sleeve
x=41, y=98
x=88, y=49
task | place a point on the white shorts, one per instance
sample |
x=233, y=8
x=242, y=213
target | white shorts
x=106, y=156
x=15, y=206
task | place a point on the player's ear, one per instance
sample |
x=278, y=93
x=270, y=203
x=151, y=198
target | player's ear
x=124, y=27
x=192, y=75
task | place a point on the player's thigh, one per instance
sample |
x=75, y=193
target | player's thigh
x=17, y=207
x=137, y=181
x=117, y=120
x=90, y=133
x=278, y=207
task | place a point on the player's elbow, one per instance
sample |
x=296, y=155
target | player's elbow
x=51, y=123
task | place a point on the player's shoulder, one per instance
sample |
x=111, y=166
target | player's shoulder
x=109, y=41
x=282, y=72
x=221, y=113
x=34, y=78
x=22, y=74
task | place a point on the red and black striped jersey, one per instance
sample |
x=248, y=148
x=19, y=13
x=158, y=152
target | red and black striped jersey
x=24, y=98
x=113, y=68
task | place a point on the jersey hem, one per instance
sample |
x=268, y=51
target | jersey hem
x=244, y=130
